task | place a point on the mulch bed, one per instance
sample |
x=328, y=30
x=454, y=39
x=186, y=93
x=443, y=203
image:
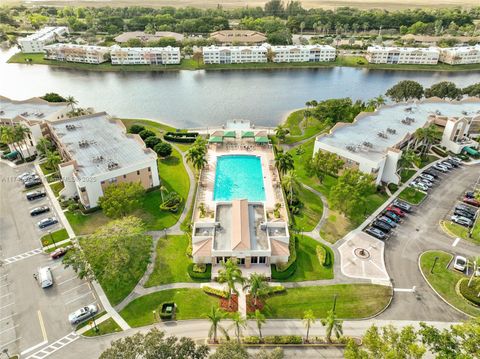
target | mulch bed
x=251, y=306
x=229, y=305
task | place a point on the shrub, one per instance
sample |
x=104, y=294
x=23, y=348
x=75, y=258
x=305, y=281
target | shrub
x=199, y=267
x=207, y=275
x=73, y=206
x=470, y=293
x=293, y=255
x=144, y=134
x=439, y=151
x=171, y=202
x=163, y=149
x=216, y=292
x=181, y=137
x=285, y=274
x=251, y=340
x=392, y=187
x=136, y=128
x=152, y=141
x=321, y=254
x=275, y=289
x=283, y=339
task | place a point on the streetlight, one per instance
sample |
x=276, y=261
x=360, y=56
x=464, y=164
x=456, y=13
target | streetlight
x=53, y=240
x=5, y=351
x=334, y=301
x=154, y=316
x=95, y=327
x=434, y=263
x=165, y=230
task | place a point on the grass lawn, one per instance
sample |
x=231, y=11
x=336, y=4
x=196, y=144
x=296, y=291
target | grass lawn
x=427, y=160
x=311, y=211
x=86, y=223
x=45, y=169
x=462, y=232
x=353, y=301
x=106, y=327
x=65, y=244
x=57, y=187
x=57, y=236
x=171, y=262
x=411, y=195
x=406, y=174
x=191, y=304
x=444, y=280
x=336, y=227
x=300, y=128
x=87, y=322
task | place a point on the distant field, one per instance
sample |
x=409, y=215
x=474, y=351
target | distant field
x=364, y=4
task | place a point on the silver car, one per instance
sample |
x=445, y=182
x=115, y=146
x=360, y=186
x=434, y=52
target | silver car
x=463, y=221
x=82, y=314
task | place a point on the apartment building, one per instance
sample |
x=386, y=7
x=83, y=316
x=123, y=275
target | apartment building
x=460, y=55
x=402, y=55
x=88, y=54
x=97, y=151
x=374, y=142
x=145, y=55
x=144, y=37
x=238, y=37
x=303, y=53
x=234, y=54
x=35, y=42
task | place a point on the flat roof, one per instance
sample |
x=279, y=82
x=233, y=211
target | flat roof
x=363, y=134
x=45, y=33
x=99, y=144
x=33, y=108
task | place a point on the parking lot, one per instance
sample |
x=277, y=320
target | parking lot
x=31, y=317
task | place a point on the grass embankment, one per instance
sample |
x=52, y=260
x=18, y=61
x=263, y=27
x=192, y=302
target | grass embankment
x=57, y=236
x=311, y=211
x=444, y=280
x=106, y=327
x=189, y=64
x=406, y=174
x=301, y=128
x=190, y=304
x=412, y=196
x=463, y=232
x=353, y=301
x=57, y=187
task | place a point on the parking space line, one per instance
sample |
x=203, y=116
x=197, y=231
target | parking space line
x=5, y=318
x=67, y=280
x=5, y=295
x=28, y=350
x=78, y=286
x=79, y=297
x=42, y=326
x=8, y=305
x=455, y=242
x=10, y=342
x=21, y=256
x=11, y=328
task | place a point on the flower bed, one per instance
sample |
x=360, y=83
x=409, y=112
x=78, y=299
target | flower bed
x=229, y=305
x=199, y=275
x=297, y=340
x=251, y=306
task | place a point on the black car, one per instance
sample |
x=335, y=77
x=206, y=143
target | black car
x=39, y=210
x=466, y=208
x=36, y=195
x=431, y=172
x=402, y=205
x=470, y=194
x=387, y=221
x=392, y=216
x=459, y=212
x=382, y=226
x=453, y=163
x=375, y=232
x=33, y=183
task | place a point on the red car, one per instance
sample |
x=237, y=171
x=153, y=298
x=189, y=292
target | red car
x=472, y=201
x=396, y=210
x=59, y=252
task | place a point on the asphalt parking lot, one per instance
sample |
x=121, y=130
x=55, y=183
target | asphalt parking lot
x=32, y=317
x=420, y=231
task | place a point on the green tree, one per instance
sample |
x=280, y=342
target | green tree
x=324, y=163
x=197, y=57
x=259, y=320
x=276, y=353
x=332, y=325
x=71, y=101
x=7, y=136
x=239, y=323
x=44, y=146
x=444, y=89
x=152, y=141
x=120, y=199
x=52, y=160
x=21, y=133
x=257, y=286
x=281, y=132
x=308, y=321
x=231, y=275
x=472, y=90
x=291, y=183
x=426, y=136
x=284, y=162
x=405, y=90
x=196, y=153
x=163, y=149
x=408, y=158
x=136, y=129
x=146, y=134
x=215, y=317
x=230, y=350
x=53, y=97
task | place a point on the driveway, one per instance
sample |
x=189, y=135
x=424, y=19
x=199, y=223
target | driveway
x=420, y=232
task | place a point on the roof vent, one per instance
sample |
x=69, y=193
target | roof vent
x=367, y=144
x=70, y=127
x=98, y=159
x=112, y=165
x=382, y=135
x=83, y=143
x=408, y=120
x=351, y=148
x=438, y=113
x=391, y=131
x=465, y=113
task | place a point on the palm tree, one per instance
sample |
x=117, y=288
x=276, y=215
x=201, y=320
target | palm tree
x=70, y=100
x=43, y=146
x=20, y=135
x=196, y=154
x=53, y=159
x=230, y=274
x=257, y=285
x=302, y=26
x=284, y=162
x=380, y=100
x=239, y=322
x=409, y=157
x=7, y=135
x=332, y=324
x=163, y=189
x=291, y=183
x=215, y=317
x=308, y=321
x=426, y=136
x=281, y=132
x=260, y=320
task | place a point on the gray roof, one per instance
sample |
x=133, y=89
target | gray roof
x=99, y=144
x=34, y=108
x=367, y=126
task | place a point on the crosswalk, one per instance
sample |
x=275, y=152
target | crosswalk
x=52, y=348
x=22, y=256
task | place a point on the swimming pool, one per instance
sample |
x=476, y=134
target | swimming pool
x=239, y=177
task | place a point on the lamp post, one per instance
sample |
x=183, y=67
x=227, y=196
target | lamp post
x=5, y=351
x=165, y=231
x=154, y=316
x=433, y=265
x=334, y=301
x=53, y=240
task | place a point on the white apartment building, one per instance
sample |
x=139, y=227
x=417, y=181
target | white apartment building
x=460, y=55
x=88, y=54
x=402, y=55
x=145, y=55
x=35, y=42
x=303, y=53
x=234, y=54
x=374, y=142
x=97, y=152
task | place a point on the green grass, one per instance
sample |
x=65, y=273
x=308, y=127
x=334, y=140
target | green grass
x=301, y=129
x=353, y=301
x=83, y=224
x=308, y=266
x=57, y=236
x=191, y=304
x=159, y=128
x=45, y=169
x=171, y=262
x=311, y=211
x=106, y=327
x=427, y=160
x=65, y=244
x=411, y=195
x=406, y=174
x=336, y=226
x=57, y=187
x=444, y=280
x=87, y=322
x=462, y=232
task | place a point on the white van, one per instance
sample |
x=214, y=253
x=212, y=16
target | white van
x=44, y=277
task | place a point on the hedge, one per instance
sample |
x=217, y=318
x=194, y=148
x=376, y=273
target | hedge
x=274, y=339
x=470, y=293
x=275, y=289
x=292, y=246
x=321, y=254
x=181, y=137
x=207, y=275
x=182, y=134
x=439, y=151
x=284, y=274
x=217, y=292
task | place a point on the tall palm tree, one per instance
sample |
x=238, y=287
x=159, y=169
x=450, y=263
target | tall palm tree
x=257, y=286
x=239, y=323
x=426, y=136
x=53, y=159
x=302, y=26
x=308, y=321
x=71, y=101
x=380, y=100
x=291, y=183
x=7, y=135
x=284, y=162
x=260, y=320
x=196, y=154
x=410, y=157
x=215, y=317
x=332, y=324
x=281, y=132
x=20, y=134
x=230, y=274
x=43, y=146
x=163, y=189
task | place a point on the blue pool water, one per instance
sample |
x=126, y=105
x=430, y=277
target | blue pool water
x=239, y=177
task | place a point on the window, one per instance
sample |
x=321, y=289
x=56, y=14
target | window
x=124, y=176
x=254, y=260
x=262, y=259
x=138, y=173
x=149, y=169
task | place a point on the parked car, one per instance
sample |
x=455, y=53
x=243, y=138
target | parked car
x=82, y=314
x=33, y=183
x=425, y=182
x=382, y=226
x=427, y=177
x=459, y=212
x=36, y=195
x=440, y=167
x=402, y=205
x=388, y=221
x=24, y=175
x=460, y=263
x=452, y=163
x=463, y=221
x=46, y=222
x=39, y=210
x=470, y=194
x=472, y=201
x=44, y=277
x=377, y=233
x=392, y=216
x=431, y=172
x=396, y=210
x=419, y=185
x=59, y=252
x=456, y=159
x=466, y=208
x=447, y=164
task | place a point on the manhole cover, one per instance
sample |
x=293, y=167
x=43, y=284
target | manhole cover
x=362, y=253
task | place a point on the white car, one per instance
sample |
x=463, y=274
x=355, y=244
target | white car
x=25, y=175
x=446, y=164
x=82, y=314
x=427, y=177
x=419, y=185
x=463, y=221
x=456, y=159
x=425, y=181
x=460, y=263
x=440, y=167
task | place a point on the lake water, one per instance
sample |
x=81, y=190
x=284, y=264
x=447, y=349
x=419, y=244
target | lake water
x=203, y=98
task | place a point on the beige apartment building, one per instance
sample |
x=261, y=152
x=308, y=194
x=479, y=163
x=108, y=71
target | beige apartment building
x=88, y=54
x=402, y=55
x=238, y=37
x=461, y=55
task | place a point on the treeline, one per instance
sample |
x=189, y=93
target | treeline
x=408, y=90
